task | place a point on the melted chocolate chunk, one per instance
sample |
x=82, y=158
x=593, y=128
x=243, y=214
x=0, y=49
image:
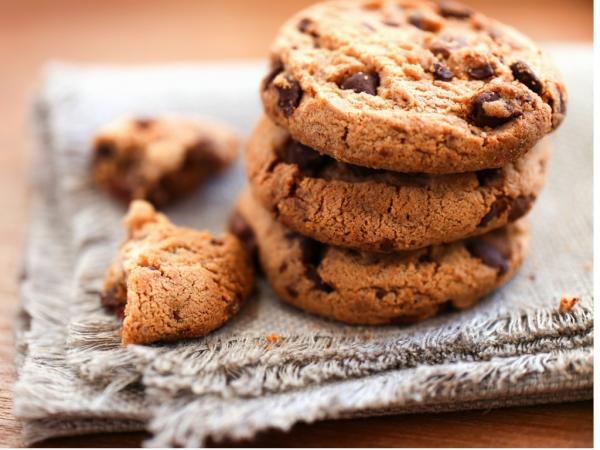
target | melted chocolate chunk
x=304, y=24
x=496, y=210
x=308, y=160
x=422, y=22
x=482, y=72
x=489, y=254
x=240, y=228
x=520, y=206
x=289, y=96
x=439, y=49
x=276, y=69
x=523, y=73
x=441, y=72
x=144, y=123
x=454, y=10
x=426, y=256
x=481, y=118
x=201, y=153
x=563, y=103
x=112, y=301
x=386, y=246
x=366, y=82
x=105, y=150
x=312, y=255
x=488, y=176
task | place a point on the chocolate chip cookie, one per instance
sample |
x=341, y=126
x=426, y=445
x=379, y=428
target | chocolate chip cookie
x=411, y=86
x=160, y=159
x=382, y=211
x=172, y=283
x=369, y=288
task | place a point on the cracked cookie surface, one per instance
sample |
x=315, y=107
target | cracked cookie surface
x=170, y=283
x=411, y=86
x=381, y=211
x=369, y=288
x=160, y=159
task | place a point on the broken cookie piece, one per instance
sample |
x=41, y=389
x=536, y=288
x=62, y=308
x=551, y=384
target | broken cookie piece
x=160, y=159
x=172, y=283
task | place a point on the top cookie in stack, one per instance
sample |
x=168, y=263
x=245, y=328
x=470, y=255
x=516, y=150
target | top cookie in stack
x=411, y=86
x=401, y=140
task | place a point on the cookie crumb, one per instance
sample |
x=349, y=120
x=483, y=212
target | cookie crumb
x=531, y=277
x=567, y=303
x=588, y=266
x=273, y=338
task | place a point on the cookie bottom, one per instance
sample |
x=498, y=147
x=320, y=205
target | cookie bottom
x=368, y=288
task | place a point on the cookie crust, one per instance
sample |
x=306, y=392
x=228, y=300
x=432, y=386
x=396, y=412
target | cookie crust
x=172, y=283
x=382, y=211
x=367, y=288
x=407, y=86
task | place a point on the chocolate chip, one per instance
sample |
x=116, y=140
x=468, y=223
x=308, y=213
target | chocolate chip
x=144, y=123
x=520, y=206
x=496, y=210
x=442, y=72
x=292, y=292
x=308, y=160
x=304, y=24
x=202, y=153
x=386, y=246
x=380, y=293
x=240, y=228
x=523, y=73
x=114, y=299
x=488, y=253
x=482, y=72
x=488, y=176
x=480, y=117
x=455, y=10
x=313, y=275
x=312, y=254
x=439, y=49
x=366, y=82
x=423, y=22
x=289, y=96
x=276, y=69
x=105, y=150
x=311, y=250
x=563, y=103
x=426, y=256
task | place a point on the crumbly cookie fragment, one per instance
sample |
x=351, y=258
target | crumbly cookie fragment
x=411, y=86
x=171, y=283
x=382, y=211
x=368, y=288
x=160, y=159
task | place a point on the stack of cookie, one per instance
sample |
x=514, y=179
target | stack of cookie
x=399, y=152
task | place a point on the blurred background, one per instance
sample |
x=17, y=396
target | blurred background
x=141, y=31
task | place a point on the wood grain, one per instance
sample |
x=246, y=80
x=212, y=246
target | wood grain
x=135, y=31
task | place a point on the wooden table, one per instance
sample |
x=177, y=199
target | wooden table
x=134, y=31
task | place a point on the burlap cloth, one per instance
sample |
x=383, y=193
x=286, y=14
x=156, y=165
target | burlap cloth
x=74, y=377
